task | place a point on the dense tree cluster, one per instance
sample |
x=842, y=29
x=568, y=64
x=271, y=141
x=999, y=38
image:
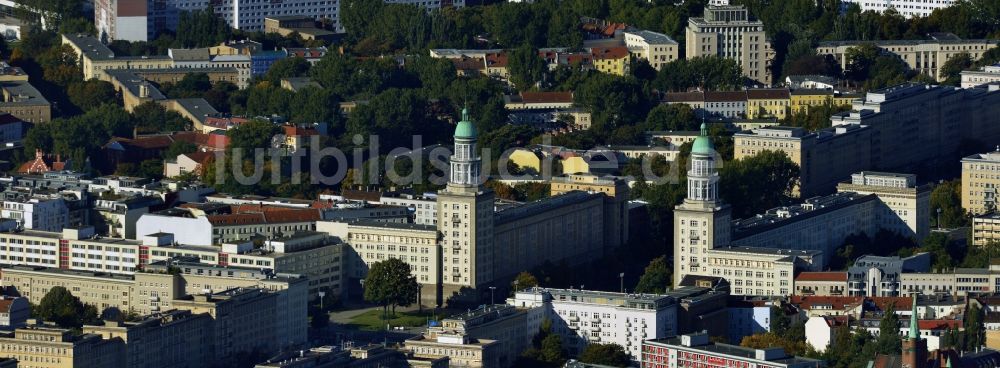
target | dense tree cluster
x=61, y=307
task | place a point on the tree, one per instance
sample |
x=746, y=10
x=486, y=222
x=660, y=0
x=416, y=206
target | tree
x=287, y=68
x=523, y=281
x=757, y=183
x=655, y=278
x=389, y=283
x=952, y=69
x=975, y=335
x=888, y=331
x=606, y=354
x=676, y=117
x=552, y=351
x=779, y=321
x=526, y=67
x=89, y=94
x=201, y=28
x=64, y=309
x=946, y=205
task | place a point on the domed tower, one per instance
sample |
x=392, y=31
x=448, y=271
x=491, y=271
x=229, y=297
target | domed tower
x=702, y=222
x=465, y=220
x=465, y=161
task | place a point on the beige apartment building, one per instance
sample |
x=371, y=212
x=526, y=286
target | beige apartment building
x=821, y=284
x=250, y=319
x=461, y=350
x=905, y=206
x=372, y=241
x=986, y=229
x=176, y=338
x=657, y=48
x=729, y=32
x=50, y=347
x=980, y=180
x=25, y=102
x=924, y=56
x=825, y=157
x=98, y=289
x=759, y=271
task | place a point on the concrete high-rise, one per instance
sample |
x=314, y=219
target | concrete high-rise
x=729, y=32
x=702, y=221
x=465, y=216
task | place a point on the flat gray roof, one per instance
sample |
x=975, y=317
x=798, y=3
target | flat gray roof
x=22, y=93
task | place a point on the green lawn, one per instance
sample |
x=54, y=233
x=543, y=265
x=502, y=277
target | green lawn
x=372, y=320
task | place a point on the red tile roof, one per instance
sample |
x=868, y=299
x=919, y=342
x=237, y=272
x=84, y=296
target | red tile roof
x=42, y=163
x=5, y=305
x=938, y=324
x=725, y=96
x=822, y=276
x=836, y=302
x=616, y=52
x=899, y=302
x=292, y=130
x=496, y=60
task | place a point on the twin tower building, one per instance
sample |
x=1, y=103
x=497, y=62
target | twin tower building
x=484, y=245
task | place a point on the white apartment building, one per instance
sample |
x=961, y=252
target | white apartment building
x=205, y=226
x=906, y=8
x=45, y=214
x=729, y=32
x=657, y=48
x=582, y=317
x=988, y=74
x=422, y=207
x=133, y=20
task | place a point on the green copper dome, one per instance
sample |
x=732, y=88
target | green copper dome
x=465, y=128
x=703, y=144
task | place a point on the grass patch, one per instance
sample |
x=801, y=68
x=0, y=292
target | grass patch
x=372, y=320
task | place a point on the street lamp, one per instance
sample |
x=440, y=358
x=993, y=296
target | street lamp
x=939, y=218
x=621, y=277
x=491, y=294
x=321, y=295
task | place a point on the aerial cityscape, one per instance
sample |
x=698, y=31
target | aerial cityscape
x=500, y=183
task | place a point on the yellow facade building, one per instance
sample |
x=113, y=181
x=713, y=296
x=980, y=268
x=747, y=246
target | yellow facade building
x=50, y=347
x=980, y=180
x=611, y=60
x=768, y=103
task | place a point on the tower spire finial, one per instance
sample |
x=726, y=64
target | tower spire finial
x=914, y=325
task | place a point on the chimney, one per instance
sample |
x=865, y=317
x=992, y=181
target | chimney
x=143, y=91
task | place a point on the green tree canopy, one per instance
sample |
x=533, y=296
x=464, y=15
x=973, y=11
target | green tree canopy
x=389, y=283
x=656, y=277
x=64, y=309
x=526, y=67
x=89, y=94
x=605, y=354
x=758, y=183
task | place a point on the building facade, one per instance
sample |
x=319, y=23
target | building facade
x=697, y=350
x=924, y=56
x=980, y=180
x=729, y=32
x=582, y=317
x=906, y=8
x=988, y=74
x=904, y=206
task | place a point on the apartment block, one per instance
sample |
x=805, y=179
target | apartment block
x=582, y=317
x=370, y=241
x=768, y=103
x=696, y=349
x=422, y=207
x=656, y=48
x=511, y=329
x=50, y=347
x=251, y=319
x=213, y=223
x=959, y=281
x=98, y=289
x=906, y=8
x=905, y=206
x=25, y=102
x=985, y=229
x=988, y=74
x=174, y=338
x=759, y=271
x=821, y=284
x=825, y=157
x=729, y=32
x=980, y=180
x=804, y=99
x=921, y=127
x=876, y=276
x=923, y=56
